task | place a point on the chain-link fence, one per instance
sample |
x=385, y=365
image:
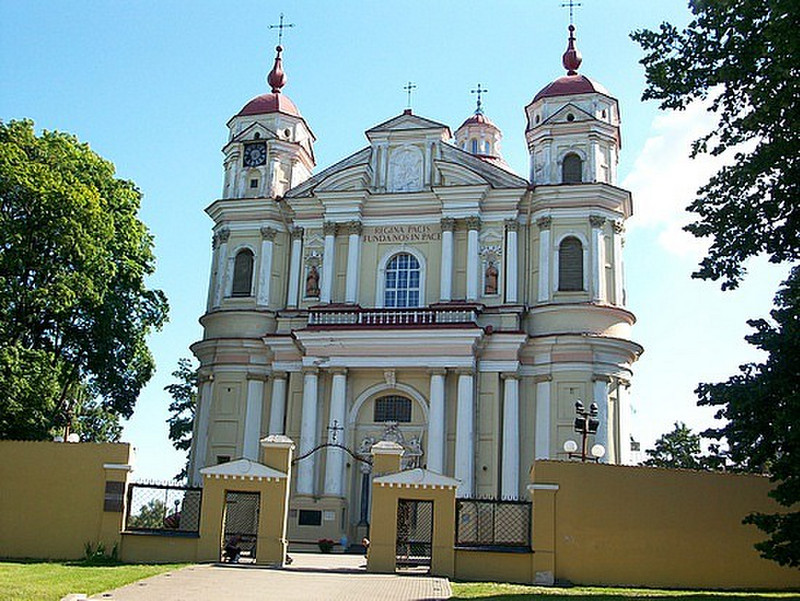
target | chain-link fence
x=493, y=523
x=163, y=508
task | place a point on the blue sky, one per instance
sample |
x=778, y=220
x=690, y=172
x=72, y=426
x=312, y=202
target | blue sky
x=151, y=84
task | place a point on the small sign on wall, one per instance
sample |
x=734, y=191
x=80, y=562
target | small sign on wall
x=329, y=516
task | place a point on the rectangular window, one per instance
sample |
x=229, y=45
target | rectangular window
x=223, y=459
x=254, y=183
x=308, y=517
x=392, y=409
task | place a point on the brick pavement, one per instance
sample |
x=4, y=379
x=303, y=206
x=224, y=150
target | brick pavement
x=312, y=577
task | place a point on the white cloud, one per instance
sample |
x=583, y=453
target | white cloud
x=664, y=179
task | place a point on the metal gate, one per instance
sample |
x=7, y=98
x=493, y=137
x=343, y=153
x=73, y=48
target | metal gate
x=414, y=533
x=240, y=526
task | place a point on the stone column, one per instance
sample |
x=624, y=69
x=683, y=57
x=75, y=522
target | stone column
x=624, y=416
x=465, y=435
x=509, y=483
x=446, y=288
x=473, y=263
x=295, y=267
x=619, y=292
x=512, y=271
x=328, y=262
x=252, y=416
x=353, y=262
x=542, y=445
x=598, y=258
x=222, y=265
x=600, y=396
x=277, y=407
x=212, y=276
x=265, y=272
x=544, y=259
x=200, y=447
x=334, y=466
x=308, y=433
x=436, y=423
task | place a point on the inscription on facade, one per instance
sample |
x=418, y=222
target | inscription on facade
x=402, y=233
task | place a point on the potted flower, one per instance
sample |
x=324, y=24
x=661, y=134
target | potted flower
x=325, y=545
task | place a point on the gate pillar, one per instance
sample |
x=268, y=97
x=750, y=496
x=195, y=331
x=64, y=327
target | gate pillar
x=416, y=485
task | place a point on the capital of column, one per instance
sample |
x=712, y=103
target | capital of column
x=329, y=228
x=337, y=371
x=542, y=378
x=465, y=371
x=509, y=375
x=512, y=225
x=596, y=220
x=437, y=371
x=619, y=226
x=268, y=233
x=473, y=222
x=297, y=233
x=280, y=375
x=202, y=378
x=309, y=370
x=448, y=224
x=251, y=375
x=354, y=227
x=223, y=235
x=623, y=382
x=544, y=223
x=600, y=378
x=214, y=242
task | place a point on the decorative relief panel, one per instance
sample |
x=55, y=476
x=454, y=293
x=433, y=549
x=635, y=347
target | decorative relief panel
x=405, y=170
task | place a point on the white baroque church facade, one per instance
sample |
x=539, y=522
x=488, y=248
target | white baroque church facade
x=417, y=291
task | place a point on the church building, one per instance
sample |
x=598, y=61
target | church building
x=417, y=291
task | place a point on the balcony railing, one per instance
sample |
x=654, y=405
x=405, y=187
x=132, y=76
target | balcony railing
x=392, y=317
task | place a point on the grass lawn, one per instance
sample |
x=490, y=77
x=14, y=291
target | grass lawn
x=50, y=581
x=518, y=592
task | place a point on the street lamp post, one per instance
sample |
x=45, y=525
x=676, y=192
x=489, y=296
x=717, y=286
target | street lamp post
x=586, y=423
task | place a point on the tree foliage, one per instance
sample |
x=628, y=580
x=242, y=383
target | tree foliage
x=74, y=308
x=182, y=407
x=762, y=407
x=679, y=448
x=742, y=56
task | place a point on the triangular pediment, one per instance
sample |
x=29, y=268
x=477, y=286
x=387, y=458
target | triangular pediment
x=243, y=468
x=405, y=122
x=561, y=115
x=248, y=134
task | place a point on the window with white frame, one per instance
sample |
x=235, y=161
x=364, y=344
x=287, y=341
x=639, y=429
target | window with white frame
x=392, y=409
x=570, y=265
x=242, y=273
x=402, y=283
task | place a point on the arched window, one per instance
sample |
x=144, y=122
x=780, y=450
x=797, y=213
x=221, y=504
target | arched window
x=392, y=408
x=570, y=265
x=572, y=169
x=486, y=148
x=474, y=146
x=401, y=288
x=242, y=273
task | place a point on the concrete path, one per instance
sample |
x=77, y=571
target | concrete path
x=311, y=577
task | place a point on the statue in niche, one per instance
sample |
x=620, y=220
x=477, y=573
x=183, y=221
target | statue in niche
x=490, y=279
x=312, y=282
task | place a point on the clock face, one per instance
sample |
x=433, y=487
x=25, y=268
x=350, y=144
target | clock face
x=255, y=154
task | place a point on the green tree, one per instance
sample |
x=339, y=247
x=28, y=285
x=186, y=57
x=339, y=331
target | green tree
x=150, y=515
x=742, y=56
x=679, y=448
x=762, y=407
x=74, y=308
x=182, y=406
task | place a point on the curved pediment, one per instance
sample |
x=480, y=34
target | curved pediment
x=455, y=174
x=356, y=177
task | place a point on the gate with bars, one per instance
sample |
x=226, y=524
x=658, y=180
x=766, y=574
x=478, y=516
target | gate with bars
x=414, y=533
x=240, y=529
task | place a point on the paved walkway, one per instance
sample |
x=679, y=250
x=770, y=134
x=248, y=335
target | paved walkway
x=311, y=577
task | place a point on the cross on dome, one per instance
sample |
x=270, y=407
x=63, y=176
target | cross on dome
x=571, y=4
x=479, y=91
x=280, y=27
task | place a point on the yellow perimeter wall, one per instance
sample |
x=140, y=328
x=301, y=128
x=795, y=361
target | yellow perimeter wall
x=52, y=497
x=653, y=527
